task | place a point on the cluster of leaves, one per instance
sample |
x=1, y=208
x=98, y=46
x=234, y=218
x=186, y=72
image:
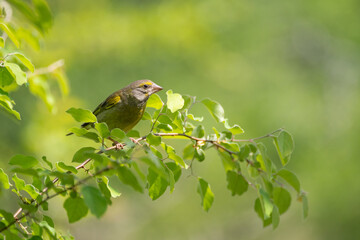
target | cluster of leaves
x=15, y=68
x=148, y=163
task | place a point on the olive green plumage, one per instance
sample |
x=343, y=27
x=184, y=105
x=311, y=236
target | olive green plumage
x=124, y=108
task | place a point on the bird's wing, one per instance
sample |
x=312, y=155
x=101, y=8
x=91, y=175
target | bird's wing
x=108, y=103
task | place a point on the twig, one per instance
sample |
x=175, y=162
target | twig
x=157, y=118
x=258, y=138
x=216, y=143
x=54, y=195
x=82, y=165
x=49, y=69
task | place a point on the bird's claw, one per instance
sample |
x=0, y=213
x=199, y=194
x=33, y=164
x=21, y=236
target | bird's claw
x=134, y=140
x=118, y=146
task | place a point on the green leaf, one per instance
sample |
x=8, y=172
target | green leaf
x=4, y=179
x=26, y=171
x=199, y=154
x=266, y=203
x=153, y=140
x=172, y=155
x=77, y=209
x=215, y=109
x=176, y=169
x=94, y=200
x=10, y=34
x=47, y=162
x=49, y=220
x=67, y=167
x=171, y=180
x=62, y=80
x=235, y=129
x=174, y=101
x=35, y=238
x=236, y=183
x=103, y=129
x=82, y=132
x=156, y=152
x=113, y=192
x=20, y=185
x=31, y=190
x=23, y=161
x=127, y=177
x=244, y=152
x=45, y=205
x=8, y=216
x=2, y=42
x=177, y=159
x=192, y=117
x=29, y=36
x=259, y=210
x=275, y=217
x=82, y=115
x=290, y=178
x=207, y=197
x=284, y=144
x=231, y=146
x=65, y=178
x=188, y=101
x=189, y=151
x=146, y=116
x=50, y=230
x=18, y=74
x=164, y=127
x=104, y=190
x=165, y=119
x=174, y=172
x=44, y=16
x=39, y=86
x=11, y=236
x=157, y=184
x=282, y=199
x=199, y=131
x=82, y=154
x=154, y=101
x=133, y=133
x=117, y=134
x=27, y=63
x=227, y=161
x=153, y=161
x=303, y=198
x=263, y=159
x=6, y=76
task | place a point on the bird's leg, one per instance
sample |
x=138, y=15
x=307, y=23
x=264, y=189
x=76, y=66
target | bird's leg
x=117, y=145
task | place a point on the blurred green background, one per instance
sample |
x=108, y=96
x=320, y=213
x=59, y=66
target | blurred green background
x=271, y=64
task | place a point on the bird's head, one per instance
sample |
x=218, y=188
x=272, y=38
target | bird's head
x=141, y=90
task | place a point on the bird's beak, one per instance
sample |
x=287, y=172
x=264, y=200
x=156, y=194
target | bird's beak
x=156, y=88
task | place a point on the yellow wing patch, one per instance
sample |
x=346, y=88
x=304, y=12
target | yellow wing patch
x=112, y=101
x=108, y=103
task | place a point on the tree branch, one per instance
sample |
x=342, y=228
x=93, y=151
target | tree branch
x=54, y=195
x=216, y=143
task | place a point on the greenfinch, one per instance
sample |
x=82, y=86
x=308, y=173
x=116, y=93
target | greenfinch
x=124, y=108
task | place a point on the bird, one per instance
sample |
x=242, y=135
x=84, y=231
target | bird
x=124, y=108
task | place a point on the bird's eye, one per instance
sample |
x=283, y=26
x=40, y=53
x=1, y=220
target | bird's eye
x=146, y=86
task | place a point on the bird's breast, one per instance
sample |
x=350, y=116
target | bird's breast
x=122, y=116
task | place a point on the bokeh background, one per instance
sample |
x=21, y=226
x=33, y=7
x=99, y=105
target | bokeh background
x=271, y=64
